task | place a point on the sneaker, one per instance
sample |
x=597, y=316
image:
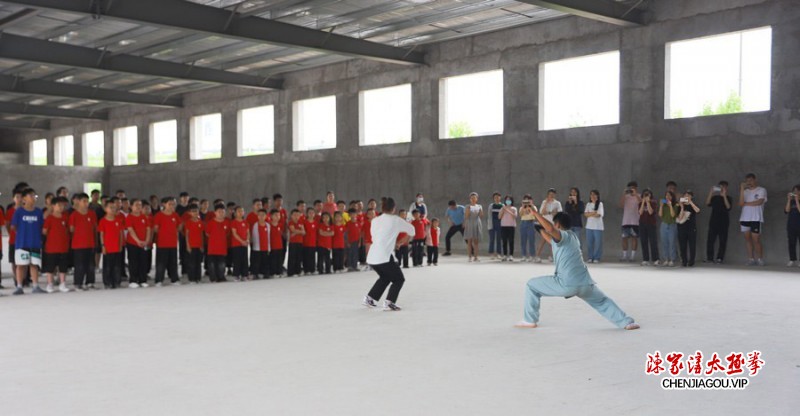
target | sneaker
x=760, y=262
x=504, y=258
x=447, y=253
x=237, y=279
x=159, y=284
x=369, y=302
x=389, y=306
x=511, y=259
x=63, y=288
x=91, y=287
x=176, y=283
x=435, y=264
x=718, y=261
x=38, y=289
x=470, y=260
x=790, y=264
x=550, y=259
x=133, y=285
x=537, y=260
x=657, y=263
x=751, y=262
x=50, y=288
x=645, y=263
x=143, y=285
x=19, y=291
x=670, y=264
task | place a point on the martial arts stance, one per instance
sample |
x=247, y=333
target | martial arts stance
x=571, y=277
x=385, y=230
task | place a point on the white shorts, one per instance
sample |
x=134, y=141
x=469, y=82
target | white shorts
x=27, y=258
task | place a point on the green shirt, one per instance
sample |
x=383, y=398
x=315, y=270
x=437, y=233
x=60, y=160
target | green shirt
x=666, y=215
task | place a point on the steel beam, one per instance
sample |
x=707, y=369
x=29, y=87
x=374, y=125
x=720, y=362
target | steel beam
x=50, y=112
x=213, y=21
x=25, y=125
x=603, y=10
x=36, y=50
x=17, y=85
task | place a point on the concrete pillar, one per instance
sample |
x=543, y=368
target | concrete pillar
x=229, y=136
x=143, y=138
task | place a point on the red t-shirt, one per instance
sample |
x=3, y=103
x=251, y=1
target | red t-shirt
x=251, y=219
x=12, y=234
x=419, y=228
x=261, y=234
x=434, y=237
x=310, y=239
x=367, y=230
x=150, y=224
x=57, y=234
x=194, y=230
x=240, y=228
x=323, y=241
x=297, y=238
x=140, y=224
x=284, y=219
x=354, y=231
x=167, y=229
x=338, y=236
x=330, y=208
x=275, y=237
x=401, y=236
x=84, y=228
x=111, y=230
x=217, y=232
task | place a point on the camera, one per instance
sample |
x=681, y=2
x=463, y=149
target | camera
x=684, y=200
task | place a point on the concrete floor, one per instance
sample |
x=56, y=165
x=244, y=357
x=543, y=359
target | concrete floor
x=305, y=346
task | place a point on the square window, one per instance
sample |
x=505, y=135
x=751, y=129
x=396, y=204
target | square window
x=88, y=187
x=471, y=105
x=126, y=146
x=94, y=149
x=164, y=141
x=579, y=92
x=314, y=124
x=721, y=74
x=256, y=131
x=206, y=137
x=64, y=147
x=38, y=152
x=384, y=115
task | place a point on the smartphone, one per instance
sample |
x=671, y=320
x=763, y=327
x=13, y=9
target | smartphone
x=716, y=189
x=684, y=200
x=664, y=201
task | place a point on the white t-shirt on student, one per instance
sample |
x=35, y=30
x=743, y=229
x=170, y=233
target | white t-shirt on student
x=753, y=213
x=553, y=207
x=594, y=223
x=385, y=230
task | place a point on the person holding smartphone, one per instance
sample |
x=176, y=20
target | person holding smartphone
x=527, y=231
x=687, y=228
x=720, y=203
x=648, y=218
x=668, y=212
x=752, y=199
x=629, y=202
x=792, y=210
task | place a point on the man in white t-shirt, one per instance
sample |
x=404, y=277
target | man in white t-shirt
x=752, y=199
x=385, y=230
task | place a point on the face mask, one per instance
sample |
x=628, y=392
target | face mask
x=508, y=202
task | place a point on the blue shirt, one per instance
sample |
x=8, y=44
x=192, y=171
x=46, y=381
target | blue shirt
x=567, y=256
x=28, y=225
x=456, y=215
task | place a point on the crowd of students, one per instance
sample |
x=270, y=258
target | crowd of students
x=667, y=220
x=118, y=236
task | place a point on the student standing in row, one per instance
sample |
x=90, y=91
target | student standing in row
x=353, y=241
x=296, y=234
x=792, y=210
x=276, y=246
x=648, y=219
x=493, y=225
x=687, y=229
x=240, y=240
x=720, y=203
x=56, y=247
x=508, y=225
x=527, y=230
x=574, y=208
x=110, y=228
x=27, y=222
x=473, y=227
x=629, y=202
x=418, y=243
x=550, y=207
x=594, y=214
x=83, y=228
x=166, y=225
x=310, y=226
x=752, y=199
x=324, y=244
x=668, y=212
x=432, y=242
x=217, y=232
x=194, y=229
x=139, y=235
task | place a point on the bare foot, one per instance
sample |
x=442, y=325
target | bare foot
x=523, y=324
x=632, y=326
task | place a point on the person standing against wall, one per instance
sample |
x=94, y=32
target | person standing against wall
x=508, y=226
x=494, y=226
x=752, y=199
x=720, y=203
x=647, y=228
x=473, y=226
x=594, y=213
x=687, y=228
x=629, y=202
x=574, y=208
x=792, y=210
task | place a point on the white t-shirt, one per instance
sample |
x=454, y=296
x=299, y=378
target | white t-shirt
x=553, y=207
x=754, y=213
x=594, y=223
x=385, y=230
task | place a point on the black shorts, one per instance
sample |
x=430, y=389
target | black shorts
x=98, y=248
x=51, y=261
x=752, y=226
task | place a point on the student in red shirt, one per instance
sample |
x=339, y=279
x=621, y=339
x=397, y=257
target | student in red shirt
x=138, y=227
x=240, y=239
x=218, y=231
x=339, y=230
x=401, y=254
x=418, y=245
x=353, y=240
x=166, y=225
x=194, y=229
x=324, y=244
x=367, y=233
x=276, y=255
x=310, y=225
x=297, y=233
x=56, y=247
x=330, y=206
x=361, y=217
x=83, y=228
x=432, y=241
x=147, y=212
x=111, y=228
x=259, y=240
x=277, y=203
x=2, y=224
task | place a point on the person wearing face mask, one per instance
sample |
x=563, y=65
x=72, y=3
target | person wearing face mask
x=419, y=205
x=508, y=224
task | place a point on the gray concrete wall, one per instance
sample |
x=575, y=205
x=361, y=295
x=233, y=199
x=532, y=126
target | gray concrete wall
x=643, y=146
